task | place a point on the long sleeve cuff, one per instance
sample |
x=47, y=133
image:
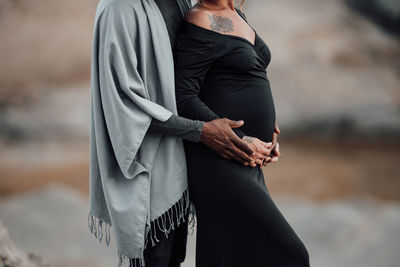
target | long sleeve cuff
x=238, y=132
x=179, y=126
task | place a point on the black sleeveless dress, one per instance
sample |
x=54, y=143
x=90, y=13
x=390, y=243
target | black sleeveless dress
x=238, y=224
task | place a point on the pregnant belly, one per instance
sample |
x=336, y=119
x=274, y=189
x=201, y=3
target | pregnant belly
x=251, y=102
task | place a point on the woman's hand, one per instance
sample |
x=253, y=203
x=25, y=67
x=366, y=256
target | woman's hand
x=275, y=153
x=262, y=149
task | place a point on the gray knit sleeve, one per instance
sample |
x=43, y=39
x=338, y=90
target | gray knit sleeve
x=178, y=126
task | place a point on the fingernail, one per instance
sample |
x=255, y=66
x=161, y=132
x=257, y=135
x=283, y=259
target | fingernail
x=269, y=143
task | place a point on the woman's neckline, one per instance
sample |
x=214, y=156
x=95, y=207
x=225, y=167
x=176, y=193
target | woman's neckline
x=227, y=35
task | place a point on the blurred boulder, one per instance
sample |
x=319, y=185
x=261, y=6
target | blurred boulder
x=333, y=72
x=53, y=222
x=43, y=42
x=11, y=256
x=384, y=12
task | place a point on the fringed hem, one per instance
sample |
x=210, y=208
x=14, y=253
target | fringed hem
x=97, y=226
x=131, y=262
x=170, y=219
x=192, y=218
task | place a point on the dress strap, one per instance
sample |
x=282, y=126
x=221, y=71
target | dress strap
x=241, y=14
x=184, y=6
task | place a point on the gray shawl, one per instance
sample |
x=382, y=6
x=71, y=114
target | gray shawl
x=138, y=179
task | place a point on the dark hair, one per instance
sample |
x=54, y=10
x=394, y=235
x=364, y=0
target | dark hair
x=204, y=1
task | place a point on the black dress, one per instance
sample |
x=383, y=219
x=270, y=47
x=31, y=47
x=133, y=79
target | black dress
x=238, y=224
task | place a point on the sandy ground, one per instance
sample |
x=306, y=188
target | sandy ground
x=352, y=232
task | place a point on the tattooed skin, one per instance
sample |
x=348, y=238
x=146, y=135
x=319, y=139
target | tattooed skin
x=248, y=139
x=221, y=24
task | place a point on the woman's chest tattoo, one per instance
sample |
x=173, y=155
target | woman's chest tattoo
x=221, y=24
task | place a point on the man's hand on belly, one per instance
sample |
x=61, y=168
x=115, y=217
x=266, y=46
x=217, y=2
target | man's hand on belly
x=218, y=136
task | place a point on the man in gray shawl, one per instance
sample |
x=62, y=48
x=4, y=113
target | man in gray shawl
x=138, y=178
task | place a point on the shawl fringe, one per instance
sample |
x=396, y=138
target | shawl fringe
x=98, y=226
x=170, y=219
x=192, y=218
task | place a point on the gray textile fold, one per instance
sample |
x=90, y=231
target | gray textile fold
x=138, y=179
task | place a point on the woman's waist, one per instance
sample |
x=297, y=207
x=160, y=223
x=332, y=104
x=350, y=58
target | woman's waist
x=258, y=114
x=264, y=133
x=251, y=102
x=248, y=100
x=258, y=122
x=234, y=92
x=236, y=80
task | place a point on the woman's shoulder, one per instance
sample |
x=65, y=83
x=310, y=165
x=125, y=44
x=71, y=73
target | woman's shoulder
x=196, y=28
x=198, y=16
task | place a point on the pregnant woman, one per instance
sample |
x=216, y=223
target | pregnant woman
x=220, y=71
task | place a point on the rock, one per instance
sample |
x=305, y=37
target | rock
x=353, y=232
x=53, y=222
x=37, y=120
x=333, y=72
x=49, y=41
x=384, y=12
x=11, y=256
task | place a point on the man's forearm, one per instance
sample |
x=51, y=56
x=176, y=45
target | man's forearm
x=183, y=127
x=178, y=126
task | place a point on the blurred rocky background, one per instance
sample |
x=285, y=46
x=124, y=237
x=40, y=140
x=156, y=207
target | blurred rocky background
x=335, y=77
